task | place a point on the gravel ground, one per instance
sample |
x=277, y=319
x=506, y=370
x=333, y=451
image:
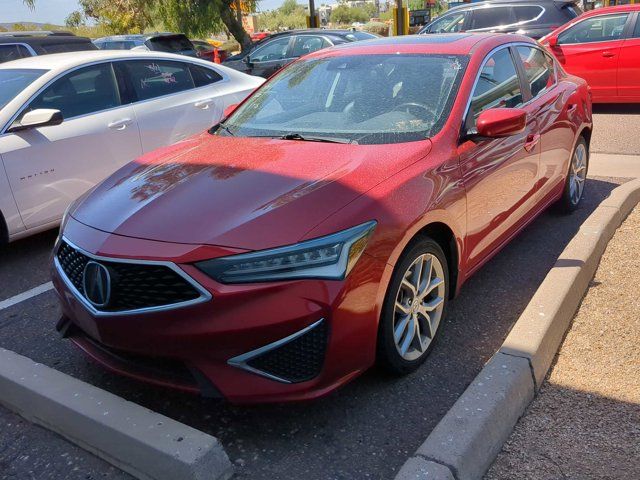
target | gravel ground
x=585, y=422
x=615, y=129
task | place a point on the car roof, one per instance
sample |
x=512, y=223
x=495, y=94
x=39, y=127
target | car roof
x=474, y=5
x=43, y=39
x=614, y=9
x=138, y=36
x=63, y=61
x=443, y=43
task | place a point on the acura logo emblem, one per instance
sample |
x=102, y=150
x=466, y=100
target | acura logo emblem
x=97, y=284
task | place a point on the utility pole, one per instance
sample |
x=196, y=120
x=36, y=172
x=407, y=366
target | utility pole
x=312, y=15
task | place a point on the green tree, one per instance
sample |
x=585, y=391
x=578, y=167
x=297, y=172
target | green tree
x=345, y=15
x=74, y=19
x=289, y=15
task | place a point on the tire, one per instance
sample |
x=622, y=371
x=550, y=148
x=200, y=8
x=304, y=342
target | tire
x=412, y=314
x=578, y=168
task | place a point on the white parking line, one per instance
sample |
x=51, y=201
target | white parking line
x=21, y=297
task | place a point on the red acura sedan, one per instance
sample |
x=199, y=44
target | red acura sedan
x=326, y=223
x=603, y=47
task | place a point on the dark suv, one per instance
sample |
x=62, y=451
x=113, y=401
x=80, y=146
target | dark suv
x=532, y=18
x=274, y=52
x=15, y=45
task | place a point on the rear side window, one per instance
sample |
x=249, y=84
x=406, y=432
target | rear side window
x=119, y=45
x=636, y=30
x=493, y=17
x=539, y=69
x=527, y=13
x=172, y=43
x=81, y=92
x=603, y=28
x=304, y=44
x=155, y=78
x=498, y=86
x=204, y=76
x=67, y=47
x=13, y=52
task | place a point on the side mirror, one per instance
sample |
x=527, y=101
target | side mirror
x=41, y=117
x=501, y=122
x=247, y=59
x=229, y=110
x=552, y=41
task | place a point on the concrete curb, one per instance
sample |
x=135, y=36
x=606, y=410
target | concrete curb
x=468, y=438
x=143, y=443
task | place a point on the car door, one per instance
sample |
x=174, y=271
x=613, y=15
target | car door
x=167, y=104
x=551, y=104
x=267, y=59
x=591, y=49
x=500, y=174
x=629, y=64
x=49, y=167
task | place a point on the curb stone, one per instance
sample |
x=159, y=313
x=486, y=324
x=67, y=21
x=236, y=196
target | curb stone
x=139, y=441
x=468, y=438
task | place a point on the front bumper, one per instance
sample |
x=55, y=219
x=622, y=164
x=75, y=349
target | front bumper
x=255, y=343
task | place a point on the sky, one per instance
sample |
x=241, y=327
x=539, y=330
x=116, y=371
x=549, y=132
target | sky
x=55, y=11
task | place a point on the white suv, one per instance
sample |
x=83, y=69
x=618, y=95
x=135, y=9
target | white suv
x=69, y=120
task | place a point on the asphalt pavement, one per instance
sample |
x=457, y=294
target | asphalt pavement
x=368, y=428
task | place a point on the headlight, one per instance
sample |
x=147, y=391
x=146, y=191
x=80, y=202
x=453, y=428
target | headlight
x=331, y=257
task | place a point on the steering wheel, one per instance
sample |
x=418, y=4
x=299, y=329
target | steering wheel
x=408, y=106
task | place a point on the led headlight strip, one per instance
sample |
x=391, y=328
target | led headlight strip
x=331, y=257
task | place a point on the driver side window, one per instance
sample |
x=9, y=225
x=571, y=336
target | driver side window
x=498, y=86
x=276, y=50
x=603, y=28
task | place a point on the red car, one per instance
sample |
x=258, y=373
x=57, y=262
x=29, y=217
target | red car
x=603, y=47
x=326, y=223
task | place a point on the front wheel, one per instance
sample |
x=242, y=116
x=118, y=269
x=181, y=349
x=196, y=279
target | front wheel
x=414, y=308
x=576, y=178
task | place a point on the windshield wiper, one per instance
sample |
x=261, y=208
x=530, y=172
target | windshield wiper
x=221, y=126
x=297, y=136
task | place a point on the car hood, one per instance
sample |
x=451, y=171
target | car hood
x=250, y=193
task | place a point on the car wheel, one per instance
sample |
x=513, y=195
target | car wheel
x=576, y=178
x=414, y=307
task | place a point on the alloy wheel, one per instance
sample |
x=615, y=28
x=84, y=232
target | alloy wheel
x=577, y=174
x=418, y=306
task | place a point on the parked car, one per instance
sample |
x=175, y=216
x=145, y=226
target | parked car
x=279, y=255
x=274, y=52
x=603, y=47
x=69, y=120
x=157, y=42
x=532, y=18
x=204, y=50
x=15, y=45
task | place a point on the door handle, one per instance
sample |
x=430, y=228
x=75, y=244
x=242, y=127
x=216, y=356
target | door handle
x=608, y=54
x=120, y=124
x=571, y=108
x=531, y=142
x=203, y=104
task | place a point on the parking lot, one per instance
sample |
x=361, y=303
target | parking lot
x=365, y=430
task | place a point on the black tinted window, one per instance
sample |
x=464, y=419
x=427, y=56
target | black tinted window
x=526, y=13
x=304, y=44
x=498, y=86
x=636, y=31
x=204, y=76
x=67, y=47
x=275, y=50
x=155, y=78
x=13, y=52
x=491, y=17
x=173, y=43
x=86, y=90
x=539, y=69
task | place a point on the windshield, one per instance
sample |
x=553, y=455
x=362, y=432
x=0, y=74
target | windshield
x=13, y=81
x=365, y=99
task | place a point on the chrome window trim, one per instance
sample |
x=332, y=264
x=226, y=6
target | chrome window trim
x=25, y=45
x=509, y=25
x=205, y=295
x=241, y=361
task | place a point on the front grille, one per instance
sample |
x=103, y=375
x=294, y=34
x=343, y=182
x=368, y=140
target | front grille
x=134, y=286
x=299, y=360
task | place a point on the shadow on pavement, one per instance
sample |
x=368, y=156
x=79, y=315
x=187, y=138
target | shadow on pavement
x=368, y=428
